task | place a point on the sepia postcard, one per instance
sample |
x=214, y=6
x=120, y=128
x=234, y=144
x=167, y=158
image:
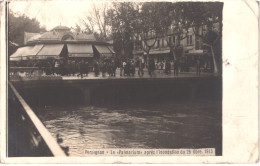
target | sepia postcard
x=86, y=81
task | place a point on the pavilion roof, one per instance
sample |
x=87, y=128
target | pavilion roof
x=54, y=35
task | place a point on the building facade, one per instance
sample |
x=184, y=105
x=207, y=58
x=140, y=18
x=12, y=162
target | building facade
x=186, y=49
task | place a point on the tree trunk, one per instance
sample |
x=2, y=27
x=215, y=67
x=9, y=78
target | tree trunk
x=174, y=53
x=123, y=48
x=216, y=69
x=147, y=57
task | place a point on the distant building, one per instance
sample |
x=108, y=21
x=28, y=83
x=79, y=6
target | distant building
x=61, y=43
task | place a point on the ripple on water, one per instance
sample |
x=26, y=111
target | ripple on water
x=167, y=125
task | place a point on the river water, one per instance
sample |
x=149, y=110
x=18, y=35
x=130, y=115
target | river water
x=189, y=124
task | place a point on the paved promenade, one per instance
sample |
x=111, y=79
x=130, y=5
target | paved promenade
x=156, y=74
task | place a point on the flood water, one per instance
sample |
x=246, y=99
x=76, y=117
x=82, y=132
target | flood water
x=186, y=124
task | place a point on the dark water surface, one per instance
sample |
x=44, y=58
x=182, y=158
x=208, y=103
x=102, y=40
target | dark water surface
x=190, y=124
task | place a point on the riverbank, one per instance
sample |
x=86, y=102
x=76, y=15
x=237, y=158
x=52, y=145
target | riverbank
x=118, y=91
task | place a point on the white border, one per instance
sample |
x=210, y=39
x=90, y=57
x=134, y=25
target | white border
x=240, y=96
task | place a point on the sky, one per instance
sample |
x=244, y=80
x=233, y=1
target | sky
x=53, y=13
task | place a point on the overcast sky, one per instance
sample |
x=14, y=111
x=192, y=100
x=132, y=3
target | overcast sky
x=53, y=13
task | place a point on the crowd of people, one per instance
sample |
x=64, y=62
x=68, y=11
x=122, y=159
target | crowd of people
x=128, y=67
x=164, y=66
x=105, y=66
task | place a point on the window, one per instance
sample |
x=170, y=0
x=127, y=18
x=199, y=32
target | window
x=67, y=37
x=170, y=40
x=153, y=34
x=162, y=42
x=189, y=40
x=197, y=44
x=178, y=42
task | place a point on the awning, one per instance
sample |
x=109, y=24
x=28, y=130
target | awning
x=111, y=49
x=80, y=50
x=196, y=52
x=104, y=50
x=33, y=52
x=139, y=52
x=50, y=50
x=36, y=49
x=154, y=52
x=21, y=52
x=13, y=44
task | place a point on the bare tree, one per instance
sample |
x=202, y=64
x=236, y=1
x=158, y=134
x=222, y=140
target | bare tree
x=96, y=21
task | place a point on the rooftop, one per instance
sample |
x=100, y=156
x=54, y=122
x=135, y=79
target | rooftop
x=61, y=28
x=59, y=33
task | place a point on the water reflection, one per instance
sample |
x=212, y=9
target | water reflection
x=162, y=125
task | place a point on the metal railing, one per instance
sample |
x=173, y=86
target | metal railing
x=51, y=143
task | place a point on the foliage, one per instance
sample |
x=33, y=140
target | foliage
x=207, y=14
x=17, y=25
x=122, y=18
x=180, y=17
x=155, y=19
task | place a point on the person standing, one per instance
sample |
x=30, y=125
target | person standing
x=167, y=67
x=86, y=68
x=69, y=67
x=96, y=69
x=114, y=66
x=151, y=66
x=103, y=69
x=198, y=66
x=48, y=68
x=176, y=67
x=77, y=68
x=56, y=66
x=109, y=69
x=172, y=65
x=61, y=67
x=127, y=68
x=52, y=67
x=161, y=67
x=81, y=68
x=132, y=67
x=124, y=68
x=121, y=68
x=65, y=67
x=140, y=68
x=73, y=67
